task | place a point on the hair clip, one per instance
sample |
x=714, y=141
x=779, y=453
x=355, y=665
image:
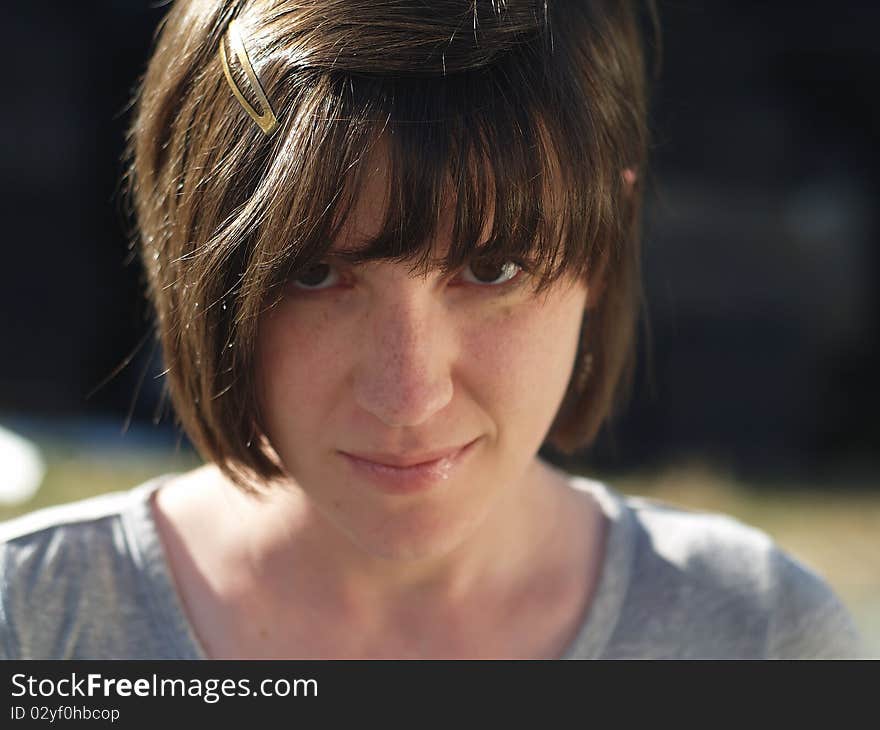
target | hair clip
x=267, y=120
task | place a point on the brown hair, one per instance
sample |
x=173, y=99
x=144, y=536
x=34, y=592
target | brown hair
x=528, y=110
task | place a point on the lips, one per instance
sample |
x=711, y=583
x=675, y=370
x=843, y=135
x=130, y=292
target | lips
x=415, y=475
x=408, y=459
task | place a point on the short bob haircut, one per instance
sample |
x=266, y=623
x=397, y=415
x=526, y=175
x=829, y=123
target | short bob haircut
x=522, y=113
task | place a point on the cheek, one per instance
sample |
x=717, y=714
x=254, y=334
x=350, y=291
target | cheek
x=524, y=357
x=295, y=366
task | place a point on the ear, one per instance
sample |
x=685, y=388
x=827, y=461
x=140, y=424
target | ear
x=629, y=178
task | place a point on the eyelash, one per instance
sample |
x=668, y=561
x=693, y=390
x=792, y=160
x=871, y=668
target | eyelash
x=523, y=270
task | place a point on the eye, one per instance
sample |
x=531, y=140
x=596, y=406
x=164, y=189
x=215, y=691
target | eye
x=491, y=273
x=316, y=277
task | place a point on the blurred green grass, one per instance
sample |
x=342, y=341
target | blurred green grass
x=834, y=531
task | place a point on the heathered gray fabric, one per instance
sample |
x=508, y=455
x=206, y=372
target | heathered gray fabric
x=89, y=580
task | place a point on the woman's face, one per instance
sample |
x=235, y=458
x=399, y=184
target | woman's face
x=372, y=361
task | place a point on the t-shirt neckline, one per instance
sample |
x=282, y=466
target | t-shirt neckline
x=148, y=552
x=606, y=606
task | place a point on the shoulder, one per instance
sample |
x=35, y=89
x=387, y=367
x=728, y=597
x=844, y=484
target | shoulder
x=41, y=543
x=72, y=562
x=706, y=547
x=705, y=585
x=808, y=620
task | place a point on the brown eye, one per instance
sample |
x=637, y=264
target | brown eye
x=314, y=277
x=490, y=272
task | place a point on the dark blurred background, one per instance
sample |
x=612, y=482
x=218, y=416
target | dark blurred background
x=761, y=247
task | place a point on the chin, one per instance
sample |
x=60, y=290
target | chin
x=416, y=534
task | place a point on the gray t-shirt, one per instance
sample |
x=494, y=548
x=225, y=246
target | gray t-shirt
x=90, y=580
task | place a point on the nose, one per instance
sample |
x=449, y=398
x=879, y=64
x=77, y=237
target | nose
x=403, y=374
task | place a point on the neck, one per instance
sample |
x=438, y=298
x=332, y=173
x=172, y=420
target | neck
x=294, y=552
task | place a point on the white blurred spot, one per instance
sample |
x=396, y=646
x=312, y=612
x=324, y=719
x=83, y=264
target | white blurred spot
x=21, y=468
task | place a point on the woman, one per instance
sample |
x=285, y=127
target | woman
x=392, y=251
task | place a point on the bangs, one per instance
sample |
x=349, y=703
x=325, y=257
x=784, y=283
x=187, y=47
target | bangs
x=475, y=158
x=464, y=162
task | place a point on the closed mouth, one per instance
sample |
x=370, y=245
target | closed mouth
x=406, y=461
